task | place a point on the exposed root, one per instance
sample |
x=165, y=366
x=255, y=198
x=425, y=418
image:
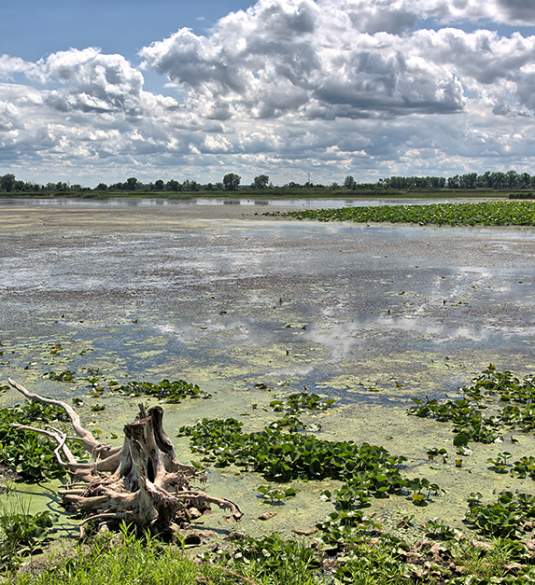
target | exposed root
x=141, y=482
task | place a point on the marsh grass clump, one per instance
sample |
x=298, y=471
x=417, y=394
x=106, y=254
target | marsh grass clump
x=127, y=559
x=172, y=391
x=492, y=213
x=273, y=559
x=28, y=455
x=510, y=516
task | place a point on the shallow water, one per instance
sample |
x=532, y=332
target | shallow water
x=301, y=203
x=229, y=301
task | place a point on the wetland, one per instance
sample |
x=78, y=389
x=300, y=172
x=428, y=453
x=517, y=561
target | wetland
x=312, y=369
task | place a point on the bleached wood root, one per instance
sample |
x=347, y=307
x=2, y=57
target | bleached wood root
x=141, y=482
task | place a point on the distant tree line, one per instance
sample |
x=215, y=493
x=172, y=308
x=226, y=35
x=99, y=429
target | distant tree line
x=232, y=182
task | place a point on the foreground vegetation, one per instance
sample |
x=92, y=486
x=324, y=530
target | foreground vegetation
x=349, y=545
x=374, y=558
x=490, y=213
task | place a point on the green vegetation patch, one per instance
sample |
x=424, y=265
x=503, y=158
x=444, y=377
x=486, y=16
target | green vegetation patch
x=495, y=401
x=172, y=391
x=272, y=494
x=511, y=516
x=300, y=402
x=368, y=470
x=22, y=534
x=469, y=214
x=523, y=468
x=25, y=453
x=62, y=376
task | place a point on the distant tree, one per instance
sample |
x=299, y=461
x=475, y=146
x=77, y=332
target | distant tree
x=131, y=184
x=261, y=182
x=101, y=187
x=350, y=184
x=7, y=183
x=158, y=185
x=231, y=181
x=173, y=185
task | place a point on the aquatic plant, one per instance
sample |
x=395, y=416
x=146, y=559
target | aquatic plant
x=524, y=467
x=511, y=400
x=30, y=456
x=367, y=470
x=500, y=463
x=469, y=423
x=62, y=376
x=436, y=452
x=301, y=401
x=277, y=560
x=172, y=391
x=509, y=517
x=438, y=530
x=22, y=533
x=271, y=494
x=491, y=213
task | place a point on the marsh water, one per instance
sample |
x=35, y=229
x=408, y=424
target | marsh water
x=259, y=202
x=250, y=307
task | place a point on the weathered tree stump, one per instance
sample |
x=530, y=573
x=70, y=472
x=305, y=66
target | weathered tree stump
x=141, y=483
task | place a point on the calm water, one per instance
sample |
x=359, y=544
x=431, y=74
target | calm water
x=120, y=202
x=323, y=305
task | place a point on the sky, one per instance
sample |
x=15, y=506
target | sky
x=100, y=91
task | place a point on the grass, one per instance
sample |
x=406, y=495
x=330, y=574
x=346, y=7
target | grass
x=128, y=561
x=490, y=213
x=371, y=559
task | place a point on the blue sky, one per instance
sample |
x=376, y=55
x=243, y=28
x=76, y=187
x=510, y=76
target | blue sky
x=100, y=90
x=32, y=29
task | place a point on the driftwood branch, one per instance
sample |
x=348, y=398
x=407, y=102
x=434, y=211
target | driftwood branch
x=141, y=482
